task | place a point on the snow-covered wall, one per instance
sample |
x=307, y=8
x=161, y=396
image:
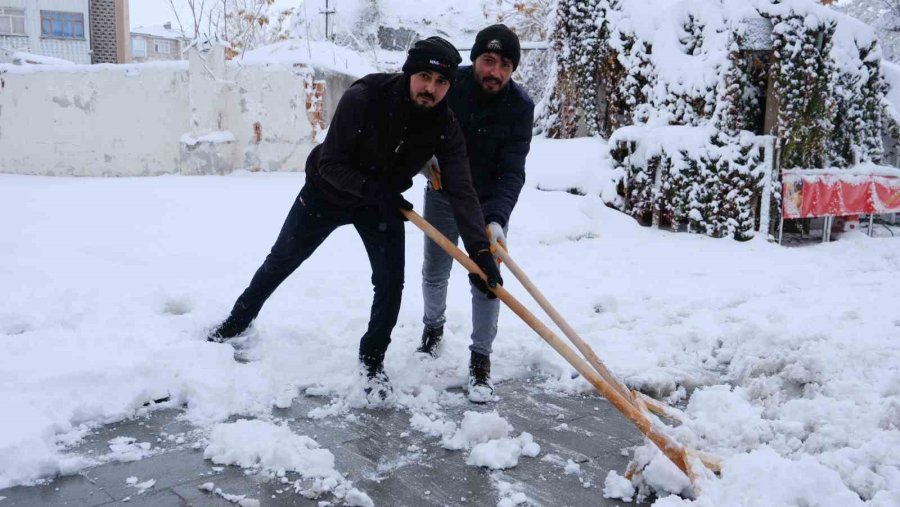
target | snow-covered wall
x=202, y=116
x=93, y=121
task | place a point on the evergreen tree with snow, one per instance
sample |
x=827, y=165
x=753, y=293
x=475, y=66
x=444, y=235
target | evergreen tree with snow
x=804, y=70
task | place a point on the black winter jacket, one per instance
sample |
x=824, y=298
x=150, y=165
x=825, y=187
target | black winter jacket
x=498, y=138
x=376, y=133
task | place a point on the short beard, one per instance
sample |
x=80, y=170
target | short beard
x=423, y=107
x=487, y=92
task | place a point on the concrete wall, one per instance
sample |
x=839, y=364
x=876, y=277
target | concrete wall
x=335, y=86
x=116, y=120
x=271, y=118
x=203, y=116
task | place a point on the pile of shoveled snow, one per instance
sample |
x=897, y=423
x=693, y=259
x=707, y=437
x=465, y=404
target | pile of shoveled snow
x=274, y=449
x=484, y=434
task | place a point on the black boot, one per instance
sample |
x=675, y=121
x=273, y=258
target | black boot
x=229, y=329
x=480, y=388
x=431, y=340
x=378, y=385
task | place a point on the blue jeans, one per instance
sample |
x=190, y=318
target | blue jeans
x=436, y=273
x=312, y=219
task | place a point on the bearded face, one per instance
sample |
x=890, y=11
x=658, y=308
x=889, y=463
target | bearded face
x=492, y=72
x=428, y=88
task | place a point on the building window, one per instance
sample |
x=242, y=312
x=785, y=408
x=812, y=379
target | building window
x=162, y=47
x=12, y=21
x=138, y=48
x=62, y=25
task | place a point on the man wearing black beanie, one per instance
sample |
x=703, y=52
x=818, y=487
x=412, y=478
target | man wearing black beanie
x=385, y=128
x=496, y=117
x=498, y=39
x=433, y=53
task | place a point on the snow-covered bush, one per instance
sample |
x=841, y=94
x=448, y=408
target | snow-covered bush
x=699, y=64
x=698, y=178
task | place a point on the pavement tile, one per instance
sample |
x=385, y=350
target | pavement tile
x=393, y=470
x=72, y=491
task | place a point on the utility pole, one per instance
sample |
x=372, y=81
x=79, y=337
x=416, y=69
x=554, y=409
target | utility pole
x=225, y=20
x=329, y=30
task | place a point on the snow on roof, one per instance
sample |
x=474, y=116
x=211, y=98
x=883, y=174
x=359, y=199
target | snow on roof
x=158, y=31
x=23, y=58
x=131, y=69
x=863, y=170
x=318, y=54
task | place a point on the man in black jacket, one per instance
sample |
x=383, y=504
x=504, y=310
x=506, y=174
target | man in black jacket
x=496, y=116
x=385, y=128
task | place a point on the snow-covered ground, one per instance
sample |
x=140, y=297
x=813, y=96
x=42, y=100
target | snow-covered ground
x=784, y=359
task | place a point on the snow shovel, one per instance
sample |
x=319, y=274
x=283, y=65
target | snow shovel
x=637, y=398
x=567, y=330
x=671, y=449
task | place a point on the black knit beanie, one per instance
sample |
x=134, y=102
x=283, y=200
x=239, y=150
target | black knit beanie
x=498, y=39
x=433, y=53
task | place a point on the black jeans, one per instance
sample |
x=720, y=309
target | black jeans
x=311, y=219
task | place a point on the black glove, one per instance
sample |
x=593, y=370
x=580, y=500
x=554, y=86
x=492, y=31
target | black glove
x=485, y=260
x=389, y=201
x=390, y=205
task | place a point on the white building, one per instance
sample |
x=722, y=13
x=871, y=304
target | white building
x=154, y=43
x=55, y=28
x=79, y=31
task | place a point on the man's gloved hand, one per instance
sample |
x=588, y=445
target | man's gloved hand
x=485, y=260
x=388, y=200
x=496, y=235
x=390, y=206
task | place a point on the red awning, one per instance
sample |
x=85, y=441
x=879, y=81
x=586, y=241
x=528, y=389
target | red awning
x=808, y=195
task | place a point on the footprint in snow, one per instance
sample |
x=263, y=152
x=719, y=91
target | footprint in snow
x=177, y=307
x=13, y=325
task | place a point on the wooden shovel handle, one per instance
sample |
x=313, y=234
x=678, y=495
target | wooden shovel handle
x=567, y=330
x=669, y=447
x=654, y=406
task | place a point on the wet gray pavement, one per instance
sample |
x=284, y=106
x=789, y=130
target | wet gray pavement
x=368, y=448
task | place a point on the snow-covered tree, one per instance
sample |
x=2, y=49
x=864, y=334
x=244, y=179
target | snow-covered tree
x=804, y=71
x=691, y=37
x=883, y=16
x=240, y=24
x=248, y=24
x=581, y=43
x=854, y=121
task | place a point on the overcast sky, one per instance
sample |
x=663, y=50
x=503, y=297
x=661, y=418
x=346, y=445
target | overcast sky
x=149, y=12
x=157, y=12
